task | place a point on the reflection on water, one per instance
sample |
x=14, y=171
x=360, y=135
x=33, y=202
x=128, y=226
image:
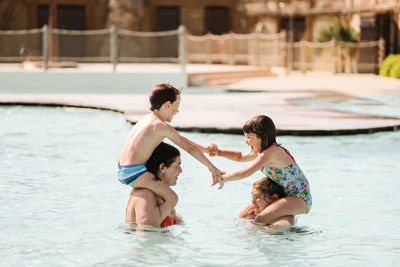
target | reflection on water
x=61, y=203
x=383, y=105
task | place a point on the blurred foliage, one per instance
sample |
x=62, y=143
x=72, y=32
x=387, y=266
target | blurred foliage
x=338, y=31
x=342, y=34
x=391, y=66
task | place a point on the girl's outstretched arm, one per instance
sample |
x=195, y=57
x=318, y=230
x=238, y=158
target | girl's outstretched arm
x=256, y=165
x=213, y=150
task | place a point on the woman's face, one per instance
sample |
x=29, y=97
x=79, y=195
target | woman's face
x=169, y=175
x=253, y=141
x=259, y=201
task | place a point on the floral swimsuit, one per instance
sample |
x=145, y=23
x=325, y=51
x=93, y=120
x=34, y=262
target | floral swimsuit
x=292, y=179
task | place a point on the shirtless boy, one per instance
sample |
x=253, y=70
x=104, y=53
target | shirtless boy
x=147, y=134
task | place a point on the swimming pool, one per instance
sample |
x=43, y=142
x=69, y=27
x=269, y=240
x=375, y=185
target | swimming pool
x=61, y=203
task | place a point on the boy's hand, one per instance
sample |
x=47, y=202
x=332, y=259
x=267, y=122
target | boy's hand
x=213, y=150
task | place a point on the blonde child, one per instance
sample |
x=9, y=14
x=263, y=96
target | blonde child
x=276, y=163
x=146, y=135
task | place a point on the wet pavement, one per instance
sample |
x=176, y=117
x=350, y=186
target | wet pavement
x=277, y=97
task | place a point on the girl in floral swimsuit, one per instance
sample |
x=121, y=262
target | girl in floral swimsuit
x=276, y=163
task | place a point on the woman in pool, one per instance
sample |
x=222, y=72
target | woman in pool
x=264, y=193
x=144, y=207
x=276, y=163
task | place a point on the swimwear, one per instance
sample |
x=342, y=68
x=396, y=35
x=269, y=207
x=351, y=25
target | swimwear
x=127, y=174
x=168, y=221
x=292, y=179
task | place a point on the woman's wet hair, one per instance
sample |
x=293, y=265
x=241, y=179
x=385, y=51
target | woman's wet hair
x=267, y=187
x=164, y=153
x=264, y=128
x=162, y=93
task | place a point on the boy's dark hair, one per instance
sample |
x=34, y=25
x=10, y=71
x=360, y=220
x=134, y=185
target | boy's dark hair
x=162, y=93
x=267, y=187
x=164, y=153
x=264, y=128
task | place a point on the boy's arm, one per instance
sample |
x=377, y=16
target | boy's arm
x=193, y=150
x=203, y=149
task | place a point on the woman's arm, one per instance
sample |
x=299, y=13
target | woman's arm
x=146, y=208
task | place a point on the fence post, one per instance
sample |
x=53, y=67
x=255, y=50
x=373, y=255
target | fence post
x=257, y=48
x=290, y=45
x=182, y=51
x=381, y=51
x=303, y=44
x=336, y=55
x=45, y=47
x=114, y=47
x=208, y=48
x=231, y=49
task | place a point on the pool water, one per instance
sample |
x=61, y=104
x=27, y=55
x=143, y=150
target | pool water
x=61, y=203
x=387, y=104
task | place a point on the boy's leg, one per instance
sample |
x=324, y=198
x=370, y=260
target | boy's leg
x=128, y=209
x=289, y=205
x=146, y=180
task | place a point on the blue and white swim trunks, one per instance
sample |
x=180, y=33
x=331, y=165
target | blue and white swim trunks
x=127, y=174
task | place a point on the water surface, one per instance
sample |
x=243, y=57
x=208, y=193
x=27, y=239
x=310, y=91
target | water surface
x=61, y=203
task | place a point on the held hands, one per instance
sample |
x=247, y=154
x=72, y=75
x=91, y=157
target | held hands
x=217, y=177
x=213, y=150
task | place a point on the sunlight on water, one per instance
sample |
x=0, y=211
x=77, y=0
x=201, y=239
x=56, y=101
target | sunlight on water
x=61, y=203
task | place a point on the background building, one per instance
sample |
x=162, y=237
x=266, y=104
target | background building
x=301, y=19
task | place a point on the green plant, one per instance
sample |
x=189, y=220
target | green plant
x=395, y=70
x=343, y=34
x=338, y=31
x=387, y=65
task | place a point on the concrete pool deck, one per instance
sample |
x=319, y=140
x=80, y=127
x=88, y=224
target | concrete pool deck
x=275, y=97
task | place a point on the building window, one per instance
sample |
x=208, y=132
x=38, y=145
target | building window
x=167, y=18
x=217, y=20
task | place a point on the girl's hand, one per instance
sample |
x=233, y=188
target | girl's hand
x=213, y=150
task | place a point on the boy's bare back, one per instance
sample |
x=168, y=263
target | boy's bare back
x=144, y=137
